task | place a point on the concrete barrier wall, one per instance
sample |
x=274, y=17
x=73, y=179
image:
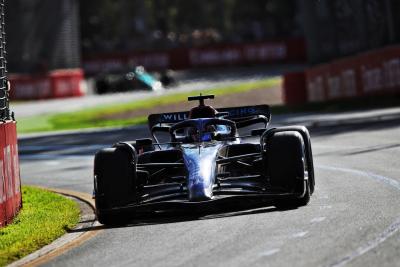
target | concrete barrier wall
x=55, y=84
x=10, y=183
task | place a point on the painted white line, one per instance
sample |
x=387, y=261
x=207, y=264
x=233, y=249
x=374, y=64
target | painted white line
x=300, y=234
x=391, y=230
x=60, y=147
x=54, y=157
x=317, y=219
x=325, y=207
x=270, y=252
x=388, y=232
x=380, y=178
x=52, y=163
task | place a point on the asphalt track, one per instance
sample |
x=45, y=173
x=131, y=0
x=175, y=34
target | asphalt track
x=353, y=217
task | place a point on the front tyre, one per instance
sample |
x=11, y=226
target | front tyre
x=114, y=182
x=285, y=162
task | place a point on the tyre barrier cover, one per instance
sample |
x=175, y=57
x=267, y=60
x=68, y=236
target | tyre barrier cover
x=29, y=87
x=374, y=72
x=10, y=183
x=55, y=84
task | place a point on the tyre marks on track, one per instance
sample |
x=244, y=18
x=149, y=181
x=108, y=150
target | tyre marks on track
x=393, y=228
x=382, y=237
x=301, y=232
x=317, y=219
x=270, y=252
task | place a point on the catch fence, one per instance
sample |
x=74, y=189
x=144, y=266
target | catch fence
x=4, y=90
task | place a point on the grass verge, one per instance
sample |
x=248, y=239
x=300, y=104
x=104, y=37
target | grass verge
x=45, y=216
x=97, y=117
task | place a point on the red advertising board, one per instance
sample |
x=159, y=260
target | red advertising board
x=10, y=198
x=11, y=141
x=3, y=217
x=65, y=83
x=9, y=181
x=374, y=72
x=55, y=84
x=316, y=83
x=29, y=87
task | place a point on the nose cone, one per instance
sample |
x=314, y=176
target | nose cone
x=201, y=165
x=198, y=192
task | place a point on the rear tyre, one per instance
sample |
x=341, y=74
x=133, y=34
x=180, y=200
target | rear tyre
x=114, y=182
x=286, y=167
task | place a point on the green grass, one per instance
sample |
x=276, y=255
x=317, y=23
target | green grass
x=45, y=216
x=97, y=117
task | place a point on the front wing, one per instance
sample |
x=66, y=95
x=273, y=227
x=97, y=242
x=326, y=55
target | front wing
x=218, y=202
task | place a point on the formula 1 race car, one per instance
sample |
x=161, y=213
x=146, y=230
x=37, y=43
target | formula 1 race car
x=205, y=161
x=138, y=79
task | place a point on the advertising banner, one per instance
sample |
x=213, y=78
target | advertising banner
x=370, y=73
x=56, y=84
x=10, y=187
x=3, y=195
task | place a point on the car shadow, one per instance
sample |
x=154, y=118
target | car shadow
x=176, y=216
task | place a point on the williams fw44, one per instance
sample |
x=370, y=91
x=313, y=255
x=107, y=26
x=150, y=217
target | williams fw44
x=204, y=161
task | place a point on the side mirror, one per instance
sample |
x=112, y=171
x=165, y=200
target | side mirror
x=258, y=132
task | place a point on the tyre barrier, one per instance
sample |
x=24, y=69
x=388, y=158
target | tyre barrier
x=10, y=183
x=55, y=84
x=371, y=73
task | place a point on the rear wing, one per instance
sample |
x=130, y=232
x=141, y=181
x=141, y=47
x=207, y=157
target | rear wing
x=233, y=113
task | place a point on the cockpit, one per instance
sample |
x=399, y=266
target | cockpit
x=202, y=130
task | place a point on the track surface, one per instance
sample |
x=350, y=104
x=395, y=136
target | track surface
x=353, y=217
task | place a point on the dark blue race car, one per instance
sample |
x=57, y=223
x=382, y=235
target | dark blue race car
x=205, y=161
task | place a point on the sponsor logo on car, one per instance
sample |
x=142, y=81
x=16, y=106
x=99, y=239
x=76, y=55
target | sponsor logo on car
x=171, y=117
x=242, y=111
